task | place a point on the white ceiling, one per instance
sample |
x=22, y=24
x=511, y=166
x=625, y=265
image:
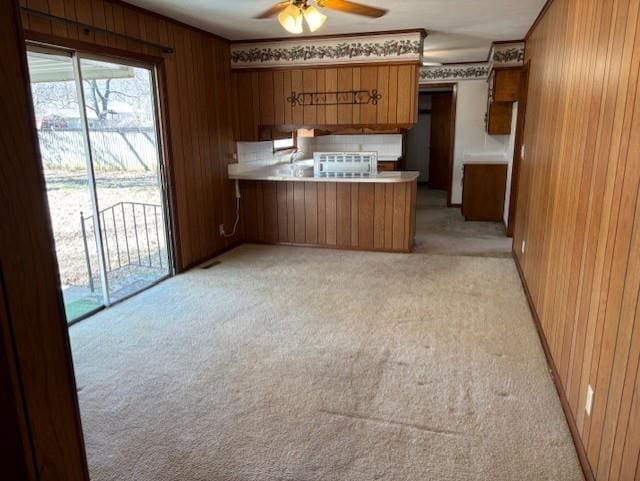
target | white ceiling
x=459, y=30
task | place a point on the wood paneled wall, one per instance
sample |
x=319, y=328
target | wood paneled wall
x=579, y=213
x=40, y=433
x=347, y=215
x=261, y=97
x=198, y=113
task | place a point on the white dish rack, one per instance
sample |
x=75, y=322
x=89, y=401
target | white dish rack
x=345, y=164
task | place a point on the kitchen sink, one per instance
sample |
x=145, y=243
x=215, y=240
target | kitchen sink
x=303, y=168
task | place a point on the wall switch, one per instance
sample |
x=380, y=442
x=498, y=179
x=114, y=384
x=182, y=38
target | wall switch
x=522, y=151
x=524, y=243
x=221, y=229
x=589, y=403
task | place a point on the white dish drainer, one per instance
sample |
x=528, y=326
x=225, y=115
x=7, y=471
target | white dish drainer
x=345, y=164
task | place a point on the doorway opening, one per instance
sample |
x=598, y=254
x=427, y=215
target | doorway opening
x=98, y=130
x=430, y=141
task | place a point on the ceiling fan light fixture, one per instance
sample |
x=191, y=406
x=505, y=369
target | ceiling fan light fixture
x=315, y=19
x=291, y=19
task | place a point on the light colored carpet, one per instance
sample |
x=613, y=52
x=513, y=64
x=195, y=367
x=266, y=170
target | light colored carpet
x=297, y=364
x=441, y=230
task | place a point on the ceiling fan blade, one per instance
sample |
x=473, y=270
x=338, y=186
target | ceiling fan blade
x=352, y=7
x=277, y=8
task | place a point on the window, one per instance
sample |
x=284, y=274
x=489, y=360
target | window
x=283, y=144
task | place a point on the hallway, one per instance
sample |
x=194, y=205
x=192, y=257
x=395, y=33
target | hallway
x=442, y=230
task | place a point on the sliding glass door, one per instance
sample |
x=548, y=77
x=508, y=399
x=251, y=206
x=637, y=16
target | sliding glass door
x=99, y=140
x=121, y=121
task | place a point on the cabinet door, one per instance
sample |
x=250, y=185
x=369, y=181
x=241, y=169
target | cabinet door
x=483, y=192
x=309, y=85
x=507, y=85
x=345, y=84
x=246, y=124
x=499, y=118
x=407, y=96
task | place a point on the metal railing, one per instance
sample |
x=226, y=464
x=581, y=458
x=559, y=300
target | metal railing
x=125, y=227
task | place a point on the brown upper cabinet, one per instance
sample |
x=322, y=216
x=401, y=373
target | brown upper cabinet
x=264, y=99
x=504, y=90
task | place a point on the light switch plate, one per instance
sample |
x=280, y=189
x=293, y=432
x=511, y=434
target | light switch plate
x=589, y=403
x=522, y=247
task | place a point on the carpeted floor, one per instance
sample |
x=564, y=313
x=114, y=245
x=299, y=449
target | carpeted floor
x=296, y=364
x=444, y=231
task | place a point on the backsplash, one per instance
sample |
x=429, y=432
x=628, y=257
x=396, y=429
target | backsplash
x=255, y=151
x=388, y=146
x=252, y=155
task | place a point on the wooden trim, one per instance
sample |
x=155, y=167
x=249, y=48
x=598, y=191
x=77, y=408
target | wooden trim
x=566, y=408
x=467, y=62
x=535, y=23
x=422, y=31
x=426, y=88
x=502, y=42
x=454, y=106
x=197, y=262
x=517, y=158
x=169, y=167
x=88, y=47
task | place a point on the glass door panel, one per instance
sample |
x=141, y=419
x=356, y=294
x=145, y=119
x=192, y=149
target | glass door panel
x=122, y=127
x=64, y=162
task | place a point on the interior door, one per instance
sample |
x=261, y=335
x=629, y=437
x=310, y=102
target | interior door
x=441, y=116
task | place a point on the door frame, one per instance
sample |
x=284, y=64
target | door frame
x=453, y=88
x=517, y=151
x=158, y=64
x=39, y=392
x=76, y=56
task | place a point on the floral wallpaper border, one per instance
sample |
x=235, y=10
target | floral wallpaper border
x=476, y=71
x=501, y=55
x=362, y=49
x=504, y=54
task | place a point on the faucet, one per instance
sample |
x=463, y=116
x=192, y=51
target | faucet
x=293, y=154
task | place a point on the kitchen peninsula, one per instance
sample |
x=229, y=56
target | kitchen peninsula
x=374, y=213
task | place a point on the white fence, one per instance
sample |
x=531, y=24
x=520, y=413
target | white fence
x=128, y=150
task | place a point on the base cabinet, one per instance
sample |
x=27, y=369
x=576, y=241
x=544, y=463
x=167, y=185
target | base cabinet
x=483, y=192
x=384, y=166
x=339, y=215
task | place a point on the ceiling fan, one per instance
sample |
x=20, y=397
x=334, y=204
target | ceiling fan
x=291, y=12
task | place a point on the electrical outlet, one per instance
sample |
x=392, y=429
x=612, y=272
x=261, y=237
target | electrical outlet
x=589, y=404
x=524, y=244
x=221, y=229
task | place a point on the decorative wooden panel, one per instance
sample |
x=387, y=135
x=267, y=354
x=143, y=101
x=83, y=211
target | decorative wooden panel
x=41, y=436
x=579, y=213
x=348, y=215
x=196, y=84
x=261, y=97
